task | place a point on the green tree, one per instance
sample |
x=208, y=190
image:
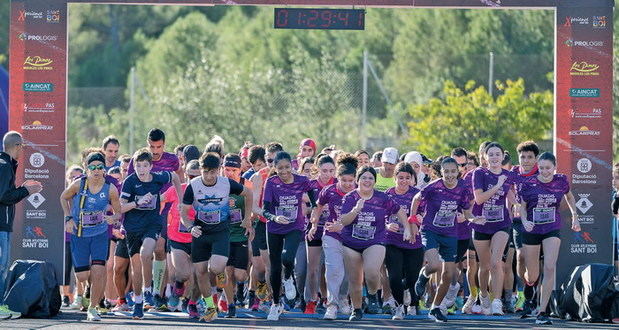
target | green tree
x=466, y=117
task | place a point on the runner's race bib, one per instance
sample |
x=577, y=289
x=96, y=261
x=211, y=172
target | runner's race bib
x=394, y=219
x=493, y=213
x=90, y=219
x=444, y=218
x=289, y=212
x=235, y=216
x=543, y=215
x=209, y=217
x=182, y=228
x=363, y=232
x=146, y=206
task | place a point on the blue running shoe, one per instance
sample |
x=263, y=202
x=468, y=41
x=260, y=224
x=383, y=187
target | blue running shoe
x=138, y=311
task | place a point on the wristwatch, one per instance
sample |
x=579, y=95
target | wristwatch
x=67, y=218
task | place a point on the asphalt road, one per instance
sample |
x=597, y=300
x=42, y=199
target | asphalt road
x=69, y=319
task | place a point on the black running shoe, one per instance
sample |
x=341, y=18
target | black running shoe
x=437, y=315
x=356, y=315
x=527, y=309
x=231, y=311
x=420, y=286
x=543, y=319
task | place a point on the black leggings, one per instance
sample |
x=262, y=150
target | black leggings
x=68, y=264
x=403, y=264
x=282, y=250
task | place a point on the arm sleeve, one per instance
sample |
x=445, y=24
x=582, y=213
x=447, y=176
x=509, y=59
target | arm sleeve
x=10, y=195
x=188, y=195
x=235, y=187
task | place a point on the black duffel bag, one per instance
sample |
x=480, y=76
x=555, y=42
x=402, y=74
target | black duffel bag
x=32, y=289
x=588, y=295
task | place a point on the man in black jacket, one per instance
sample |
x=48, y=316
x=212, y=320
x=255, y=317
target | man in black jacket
x=9, y=196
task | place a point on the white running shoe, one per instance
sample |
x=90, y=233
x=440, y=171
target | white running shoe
x=291, y=291
x=407, y=298
x=468, y=305
x=275, y=312
x=497, y=307
x=77, y=303
x=450, y=297
x=486, y=307
x=399, y=313
x=92, y=315
x=476, y=309
x=344, y=306
x=331, y=313
x=412, y=310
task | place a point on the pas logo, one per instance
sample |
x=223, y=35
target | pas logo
x=583, y=237
x=570, y=21
x=584, y=69
x=584, y=130
x=584, y=204
x=29, y=14
x=38, y=63
x=34, y=232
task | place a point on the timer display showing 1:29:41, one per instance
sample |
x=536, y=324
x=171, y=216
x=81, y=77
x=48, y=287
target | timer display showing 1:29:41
x=319, y=18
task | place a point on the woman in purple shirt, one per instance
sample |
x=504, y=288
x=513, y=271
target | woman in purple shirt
x=541, y=198
x=444, y=198
x=492, y=188
x=364, y=215
x=403, y=259
x=330, y=200
x=282, y=207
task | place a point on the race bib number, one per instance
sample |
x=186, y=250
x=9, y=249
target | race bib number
x=90, y=219
x=543, y=215
x=394, y=219
x=209, y=217
x=235, y=216
x=444, y=218
x=363, y=232
x=493, y=213
x=146, y=206
x=182, y=228
x=289, y=212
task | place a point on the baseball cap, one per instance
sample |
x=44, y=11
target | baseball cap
x=191, y=152
x=308, y=142
x=414, y=157
x=426, y=160
x=390, y=155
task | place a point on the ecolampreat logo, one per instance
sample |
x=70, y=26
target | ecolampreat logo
x=583, y=68
x=38, y=63
x=584, y=130
x=37, y=126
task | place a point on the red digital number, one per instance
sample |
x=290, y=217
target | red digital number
x=343, y=17
x=282, y=18
x=326, y=18
x=313, y=16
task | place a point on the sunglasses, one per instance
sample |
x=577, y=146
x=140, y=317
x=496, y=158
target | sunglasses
x=96, y=167
x=463, y=164
x=269, y=160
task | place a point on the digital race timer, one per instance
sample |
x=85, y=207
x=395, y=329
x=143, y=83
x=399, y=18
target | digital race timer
x=319, y=18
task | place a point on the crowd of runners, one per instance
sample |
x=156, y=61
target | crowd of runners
x=327, y=231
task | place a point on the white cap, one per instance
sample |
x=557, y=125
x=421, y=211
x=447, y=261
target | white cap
x=414, y=157
x=390, y=155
